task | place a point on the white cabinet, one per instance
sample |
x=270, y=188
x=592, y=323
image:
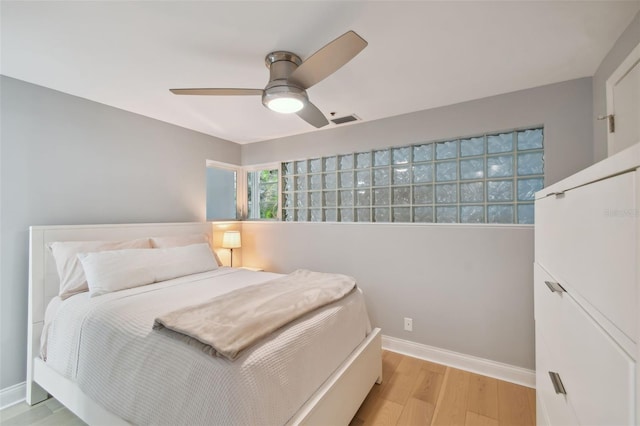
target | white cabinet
x=587, y=239
x=586, y=290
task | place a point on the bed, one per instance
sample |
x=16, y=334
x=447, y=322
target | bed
x=113, y=369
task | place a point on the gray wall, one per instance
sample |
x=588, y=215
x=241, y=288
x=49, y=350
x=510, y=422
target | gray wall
x=66, y=160
x=467, y=288
x=629, y=39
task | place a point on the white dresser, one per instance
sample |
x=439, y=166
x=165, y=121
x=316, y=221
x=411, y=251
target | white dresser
x=586, y=289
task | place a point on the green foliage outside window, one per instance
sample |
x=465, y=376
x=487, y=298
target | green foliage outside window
x=263, y=194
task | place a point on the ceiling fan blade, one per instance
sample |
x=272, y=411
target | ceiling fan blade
x=328, y=60
x=217, y=92
x=312, y=115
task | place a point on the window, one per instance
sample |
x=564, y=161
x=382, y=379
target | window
x=488, y=178
x=227, y=192
x=221, y=191
x=262, y=193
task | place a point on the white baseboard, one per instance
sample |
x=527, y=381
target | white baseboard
x=486, y=367
x=12, y=395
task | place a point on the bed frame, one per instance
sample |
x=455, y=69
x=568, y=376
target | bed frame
x=335, y=402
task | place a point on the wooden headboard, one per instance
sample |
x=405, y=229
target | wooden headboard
x=43, y=277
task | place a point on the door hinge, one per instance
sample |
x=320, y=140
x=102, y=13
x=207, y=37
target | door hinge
x=610, y=120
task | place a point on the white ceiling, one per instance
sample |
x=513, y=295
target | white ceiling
x=421, y=54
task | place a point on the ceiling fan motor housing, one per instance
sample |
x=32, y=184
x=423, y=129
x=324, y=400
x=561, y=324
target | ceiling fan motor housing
x=281, y=64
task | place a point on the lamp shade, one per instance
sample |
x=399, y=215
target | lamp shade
x=231, y=240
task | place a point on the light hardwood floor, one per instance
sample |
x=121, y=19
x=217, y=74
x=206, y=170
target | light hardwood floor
x=416, y=392
x=47, y=413
x=413, y=393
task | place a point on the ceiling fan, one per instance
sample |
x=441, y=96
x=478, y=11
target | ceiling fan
x=290, y=77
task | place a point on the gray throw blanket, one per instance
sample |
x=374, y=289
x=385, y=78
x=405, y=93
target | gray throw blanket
x=234, y=321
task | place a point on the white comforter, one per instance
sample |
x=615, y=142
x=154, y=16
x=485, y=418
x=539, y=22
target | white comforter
x=106, y=344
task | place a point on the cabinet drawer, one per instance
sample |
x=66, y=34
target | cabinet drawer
x=552, y=408
x=587, y=239
x=597, y=374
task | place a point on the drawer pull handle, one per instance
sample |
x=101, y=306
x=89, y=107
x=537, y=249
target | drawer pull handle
x=555, y=287
x=557, y=383
x=557, y=194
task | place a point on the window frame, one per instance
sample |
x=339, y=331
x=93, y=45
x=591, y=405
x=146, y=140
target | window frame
x=245, y=195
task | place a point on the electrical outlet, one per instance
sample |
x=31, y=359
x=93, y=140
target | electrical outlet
x=408, y=324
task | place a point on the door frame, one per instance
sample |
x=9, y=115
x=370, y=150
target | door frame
x=622, y=70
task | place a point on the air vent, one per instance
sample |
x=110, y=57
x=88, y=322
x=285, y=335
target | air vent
x=345, y=119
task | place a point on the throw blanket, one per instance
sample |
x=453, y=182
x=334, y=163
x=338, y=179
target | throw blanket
x=234, y=321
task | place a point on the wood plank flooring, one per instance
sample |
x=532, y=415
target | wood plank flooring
x=46, y=413
x=413, y=393
x=416, y=392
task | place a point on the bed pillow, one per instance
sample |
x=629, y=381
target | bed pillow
x=70, y=272
x=182, y=240
x=178, y=240
x=116, y=270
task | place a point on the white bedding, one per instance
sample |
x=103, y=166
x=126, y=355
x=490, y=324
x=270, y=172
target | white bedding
x=108, y=346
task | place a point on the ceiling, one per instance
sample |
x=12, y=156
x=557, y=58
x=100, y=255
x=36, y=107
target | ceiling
x=421, y=54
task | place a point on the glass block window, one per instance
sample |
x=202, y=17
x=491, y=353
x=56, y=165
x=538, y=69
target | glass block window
x=489, y=178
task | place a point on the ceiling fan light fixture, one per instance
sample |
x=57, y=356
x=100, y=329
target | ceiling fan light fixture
x=284, y=99
x=285, y=104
